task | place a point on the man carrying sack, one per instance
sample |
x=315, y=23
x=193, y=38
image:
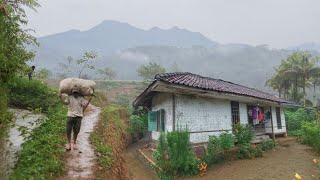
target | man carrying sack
x=76, y=106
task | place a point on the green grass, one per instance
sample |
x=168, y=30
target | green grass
x=42, y=154
x=31, y=94
x=107, y=137
x=105, y=160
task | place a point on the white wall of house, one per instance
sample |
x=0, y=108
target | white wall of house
x=243, y=113
x=163, y=101
x=202, y=114
x=274, y=119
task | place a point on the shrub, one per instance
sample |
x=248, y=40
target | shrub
x=174, y=154
x=214, y=145
x=5, y=116
x=137, y=126
x=266, y=145
x=294, y=118
x=182, y=158
x=227, y=141
x=247, y=151
x=309, y=134
x=243, y=133
x=217, y=145
x=31, y=94
x=161, y=155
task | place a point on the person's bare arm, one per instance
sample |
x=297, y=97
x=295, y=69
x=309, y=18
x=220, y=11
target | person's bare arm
x=62, y=100
x=87, y=104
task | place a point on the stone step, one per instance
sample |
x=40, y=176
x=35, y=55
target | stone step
x=262, y=137
x=259, y=138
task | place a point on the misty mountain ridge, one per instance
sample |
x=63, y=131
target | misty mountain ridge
x=110, y=36
x=124, y=48
x=308, y=46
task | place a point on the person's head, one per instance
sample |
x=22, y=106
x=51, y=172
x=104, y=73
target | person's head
x=75, y=93
x=33, y=67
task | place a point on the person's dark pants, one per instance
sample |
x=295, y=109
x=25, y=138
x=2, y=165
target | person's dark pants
x=73, y=123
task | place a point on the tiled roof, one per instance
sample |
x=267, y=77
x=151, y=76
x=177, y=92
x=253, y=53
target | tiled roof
x=206, y=83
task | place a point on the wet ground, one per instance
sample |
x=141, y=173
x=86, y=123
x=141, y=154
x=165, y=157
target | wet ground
x=287, y=159
x=282, y=163
x=139, y=170
x=80, y=163
x=10, y=139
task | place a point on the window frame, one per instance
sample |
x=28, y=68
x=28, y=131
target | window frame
x=278, y=116
x=159, y=123
x=235, y=112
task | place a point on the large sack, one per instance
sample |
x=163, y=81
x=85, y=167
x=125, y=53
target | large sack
x=84, y=87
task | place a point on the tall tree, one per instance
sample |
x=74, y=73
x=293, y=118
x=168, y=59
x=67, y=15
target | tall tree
x=14, y=37
x=86, y=61
x=148, y=71
x=302, y=67
x=299, y=69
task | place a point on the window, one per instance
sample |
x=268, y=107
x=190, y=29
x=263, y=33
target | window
x=278, y=115
x=156, y=120
x=235, y=112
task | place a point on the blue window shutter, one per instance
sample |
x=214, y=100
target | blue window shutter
x=152, y=121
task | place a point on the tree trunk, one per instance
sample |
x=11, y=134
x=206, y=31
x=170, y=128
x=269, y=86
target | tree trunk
x=314, y=95
x=295, y=93
x=304, y=91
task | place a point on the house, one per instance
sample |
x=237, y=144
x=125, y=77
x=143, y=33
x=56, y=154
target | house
x=209, y=106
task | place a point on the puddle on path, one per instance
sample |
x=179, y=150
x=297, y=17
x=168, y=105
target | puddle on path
x=10, y=144
x=80, y=163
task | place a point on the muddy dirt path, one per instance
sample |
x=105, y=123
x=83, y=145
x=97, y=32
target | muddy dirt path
x=80, y=163
x=138, y=170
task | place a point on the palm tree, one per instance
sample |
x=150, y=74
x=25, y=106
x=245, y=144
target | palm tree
x=296, y=71
x=303, y=67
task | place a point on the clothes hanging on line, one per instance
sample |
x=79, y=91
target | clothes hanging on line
x=267, y=116
x=250, y=112
x=255, y=115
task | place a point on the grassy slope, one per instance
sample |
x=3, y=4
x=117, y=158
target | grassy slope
x=42, y=153
x=109, y=139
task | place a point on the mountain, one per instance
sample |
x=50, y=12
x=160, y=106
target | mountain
x=310, y=46
x=247, y=65
x=110, y=36
x=124, y=48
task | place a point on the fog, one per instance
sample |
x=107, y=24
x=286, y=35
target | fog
x=279, y=24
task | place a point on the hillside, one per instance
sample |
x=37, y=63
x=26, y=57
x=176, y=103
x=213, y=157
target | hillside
x=310, y=46
x=124, y=48
x=110, y=36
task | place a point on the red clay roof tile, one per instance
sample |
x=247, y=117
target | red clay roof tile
x=197, y=81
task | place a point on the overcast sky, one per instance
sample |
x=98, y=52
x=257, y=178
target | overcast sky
x=278, y=23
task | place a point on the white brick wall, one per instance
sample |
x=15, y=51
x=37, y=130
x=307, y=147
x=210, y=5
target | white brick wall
x=274, y=119
x=243, y=113
x=202, y=114
x=163, y=101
